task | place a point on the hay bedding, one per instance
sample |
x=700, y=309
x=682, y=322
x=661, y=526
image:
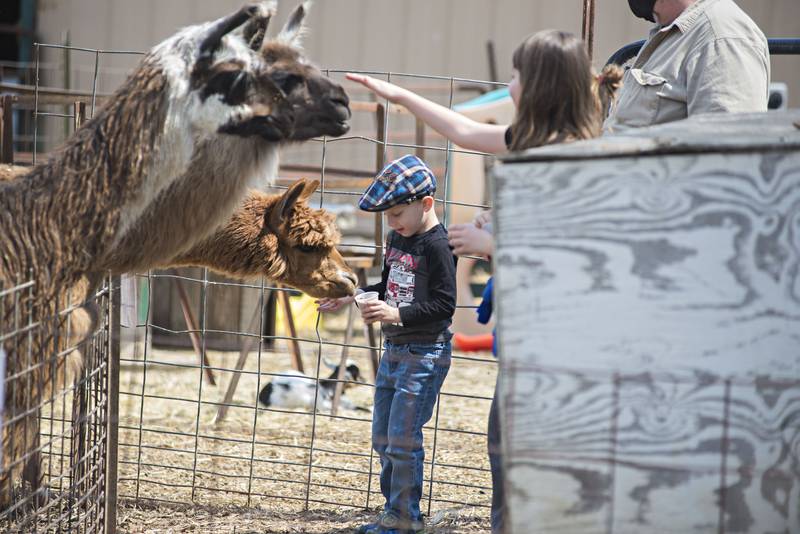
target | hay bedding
x=166, y=467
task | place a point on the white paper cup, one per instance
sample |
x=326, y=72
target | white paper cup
x=366, y=297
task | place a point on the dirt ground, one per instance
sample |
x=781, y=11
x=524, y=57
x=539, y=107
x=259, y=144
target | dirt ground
x=283, y=471
x=172, y=519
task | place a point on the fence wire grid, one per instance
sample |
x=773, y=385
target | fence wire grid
x=55, y=419
x=174, y=449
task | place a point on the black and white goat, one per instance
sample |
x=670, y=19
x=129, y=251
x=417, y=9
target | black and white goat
x=294, y=389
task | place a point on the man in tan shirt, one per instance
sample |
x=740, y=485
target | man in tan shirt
x=703, y=56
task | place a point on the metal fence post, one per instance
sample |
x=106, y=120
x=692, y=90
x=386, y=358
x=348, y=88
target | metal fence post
x=7, y=141
x=113, y=407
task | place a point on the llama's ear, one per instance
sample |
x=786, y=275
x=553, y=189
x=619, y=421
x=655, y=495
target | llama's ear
x=283, y=208
x=256, y=29
x=213, y=37
x=292, y=32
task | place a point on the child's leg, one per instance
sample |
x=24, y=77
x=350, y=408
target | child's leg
x=419, y=378
x=384, y=393
x=495, y=463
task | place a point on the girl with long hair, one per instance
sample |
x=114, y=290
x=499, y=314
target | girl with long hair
x=558, y=99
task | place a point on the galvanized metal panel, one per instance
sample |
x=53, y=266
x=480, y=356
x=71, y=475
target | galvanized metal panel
x=647, y=317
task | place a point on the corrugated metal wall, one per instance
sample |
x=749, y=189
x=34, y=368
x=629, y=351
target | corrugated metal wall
x=443, y=37
x=432, y=37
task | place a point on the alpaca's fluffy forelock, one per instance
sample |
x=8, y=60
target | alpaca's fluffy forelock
x=313, y=228
x=307, y=227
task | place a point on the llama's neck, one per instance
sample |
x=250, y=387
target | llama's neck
x=198, y=204
x=63, y=215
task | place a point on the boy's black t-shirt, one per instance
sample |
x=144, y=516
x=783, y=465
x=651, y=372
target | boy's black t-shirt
x=419, y=278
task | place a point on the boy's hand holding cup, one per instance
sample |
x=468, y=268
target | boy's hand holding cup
x=375, y=310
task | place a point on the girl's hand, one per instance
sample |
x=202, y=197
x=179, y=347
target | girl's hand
x=332, y=305
x=469, y=240
x=484, y=220
x=386, y=90
x=378, y=311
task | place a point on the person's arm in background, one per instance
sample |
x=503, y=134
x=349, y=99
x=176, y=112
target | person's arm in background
x=461, y=130
x=469, y=240
x=727, y=75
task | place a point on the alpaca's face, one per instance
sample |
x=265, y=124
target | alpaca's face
x=306, y=243
x=317, y=269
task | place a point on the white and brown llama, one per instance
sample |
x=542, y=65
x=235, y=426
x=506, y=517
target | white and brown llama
x=177, y=146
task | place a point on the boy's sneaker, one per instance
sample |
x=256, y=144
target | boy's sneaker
x=391, y=523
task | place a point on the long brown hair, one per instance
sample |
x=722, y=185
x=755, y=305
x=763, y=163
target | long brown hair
x=560, y=99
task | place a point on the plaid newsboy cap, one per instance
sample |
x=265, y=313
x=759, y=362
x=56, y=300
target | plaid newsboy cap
x=402, y=181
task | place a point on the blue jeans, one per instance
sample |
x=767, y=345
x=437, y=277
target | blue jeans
x=496, y=466
x=408, y=383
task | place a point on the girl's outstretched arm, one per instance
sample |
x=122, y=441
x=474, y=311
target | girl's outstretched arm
x=461, y=130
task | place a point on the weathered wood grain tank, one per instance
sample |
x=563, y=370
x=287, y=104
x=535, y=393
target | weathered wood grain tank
x=649, y=294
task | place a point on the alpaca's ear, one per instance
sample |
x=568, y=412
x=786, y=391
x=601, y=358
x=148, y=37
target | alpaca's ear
x=292, y=32
x=283, y=208
x=310, y=188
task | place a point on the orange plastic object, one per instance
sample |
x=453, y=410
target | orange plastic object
x=472, y=343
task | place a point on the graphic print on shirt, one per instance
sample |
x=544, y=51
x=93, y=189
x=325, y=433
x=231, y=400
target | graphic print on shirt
x=400, y=283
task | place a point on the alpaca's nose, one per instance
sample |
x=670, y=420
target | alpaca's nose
x=350, y=277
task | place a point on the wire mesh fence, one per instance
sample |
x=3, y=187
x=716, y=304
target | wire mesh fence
x=55, y=414
x=174, y=446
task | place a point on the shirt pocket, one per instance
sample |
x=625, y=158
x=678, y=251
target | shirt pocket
x=640, y=108
x=672, y=102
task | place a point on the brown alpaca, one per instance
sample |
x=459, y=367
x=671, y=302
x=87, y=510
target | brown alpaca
x=282, y=238
x=200, y=103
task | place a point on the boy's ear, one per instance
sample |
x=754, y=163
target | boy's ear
x=427, y=203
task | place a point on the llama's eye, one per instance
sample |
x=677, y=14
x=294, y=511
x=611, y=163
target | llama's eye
x=286, y=80
x=307, y=249
x=231, y=84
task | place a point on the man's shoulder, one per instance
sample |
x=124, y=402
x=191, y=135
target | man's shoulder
x=723, y=19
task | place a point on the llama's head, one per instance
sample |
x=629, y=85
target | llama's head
x=321, y=107
x=216, y=82
x=224, y=78
x=306, y=256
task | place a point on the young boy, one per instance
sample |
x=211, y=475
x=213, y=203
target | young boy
x=417, y=299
